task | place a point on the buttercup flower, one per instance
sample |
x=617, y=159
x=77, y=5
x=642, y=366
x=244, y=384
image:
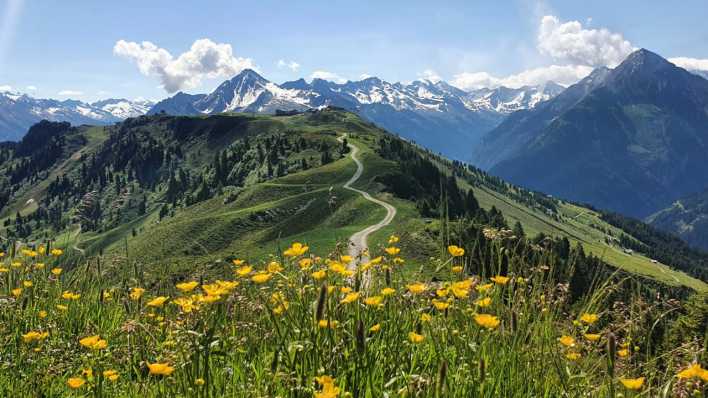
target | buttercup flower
x=632, y=384
x=415, y=338
x=487, y=321
x=297, y=249
x=455, y=251
x=160, y=369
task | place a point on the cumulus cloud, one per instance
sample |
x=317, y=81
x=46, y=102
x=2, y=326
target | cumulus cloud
x=5, y=88
x=71, y=93
x=571, y=42
x=577, y=50
x=292, y=65
x=205, y=59
x=325, y=75
x=695, y=64
x=31, y=88
x=561, y=74
x=430, y=75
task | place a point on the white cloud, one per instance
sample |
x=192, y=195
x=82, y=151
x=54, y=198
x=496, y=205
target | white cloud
x=690, y=63
x=578, y=49
x=430, y=75
x=324, y=75
x=205, y=59
x=71, y=93
x=561, y=74
x=5, y=88
x=31, y=88
x=292, y=65
x=570, y=42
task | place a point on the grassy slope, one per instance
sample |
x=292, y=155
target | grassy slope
x=94, y=137
x=581, y=225
x=312, y=207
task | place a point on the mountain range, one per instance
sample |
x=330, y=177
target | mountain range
x=631, y=139
x=686, y=218
x=434, y=114
x=20, y=111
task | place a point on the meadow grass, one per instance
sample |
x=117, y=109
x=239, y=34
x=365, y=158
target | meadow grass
x=298, y=324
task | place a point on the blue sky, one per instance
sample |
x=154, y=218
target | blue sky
x=70, y=47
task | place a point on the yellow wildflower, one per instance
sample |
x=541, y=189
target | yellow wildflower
x=323, y=324
x=440, y=305
x=317, y=275
x=57, y=252
x=393, y=239
x=415, y=338
x=261, y=277
x=160, y=369
x=567, y=341
x=75, y=382
x=416, y=288
x=374, y=301
x=500, y=280
x=94, y=342
x=572, y=355
x=296, y=249
x=455, y=251
x=110, y=374
x=483, y=302
x=67, y=295
x=33, y=336
x=392, y=251
x=375, y=328
x=388, y=291
x=305, y=263
x=623, y=353
x=274, y=267
x=487, y=321
x=56, y=271
x=16, y=292
x=592, y=336
x=457, y=269
x=589, y=318
x=632, y=384
x=27, y=284
x=136, y=293
x=693, y=371
x=186, y=287
x=157, y=301
x=349, y=298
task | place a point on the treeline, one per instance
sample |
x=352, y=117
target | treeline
x=659, y=245
x=418, y=179
x=148, y=163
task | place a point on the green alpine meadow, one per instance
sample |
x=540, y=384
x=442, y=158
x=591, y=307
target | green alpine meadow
x=353, y=200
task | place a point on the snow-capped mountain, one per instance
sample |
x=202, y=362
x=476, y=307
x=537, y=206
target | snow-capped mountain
x=435, y=114
x=123, y=108
x=20, y=111
x=508, y=100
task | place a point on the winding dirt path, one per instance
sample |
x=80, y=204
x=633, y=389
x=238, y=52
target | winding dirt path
x=358, y=246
